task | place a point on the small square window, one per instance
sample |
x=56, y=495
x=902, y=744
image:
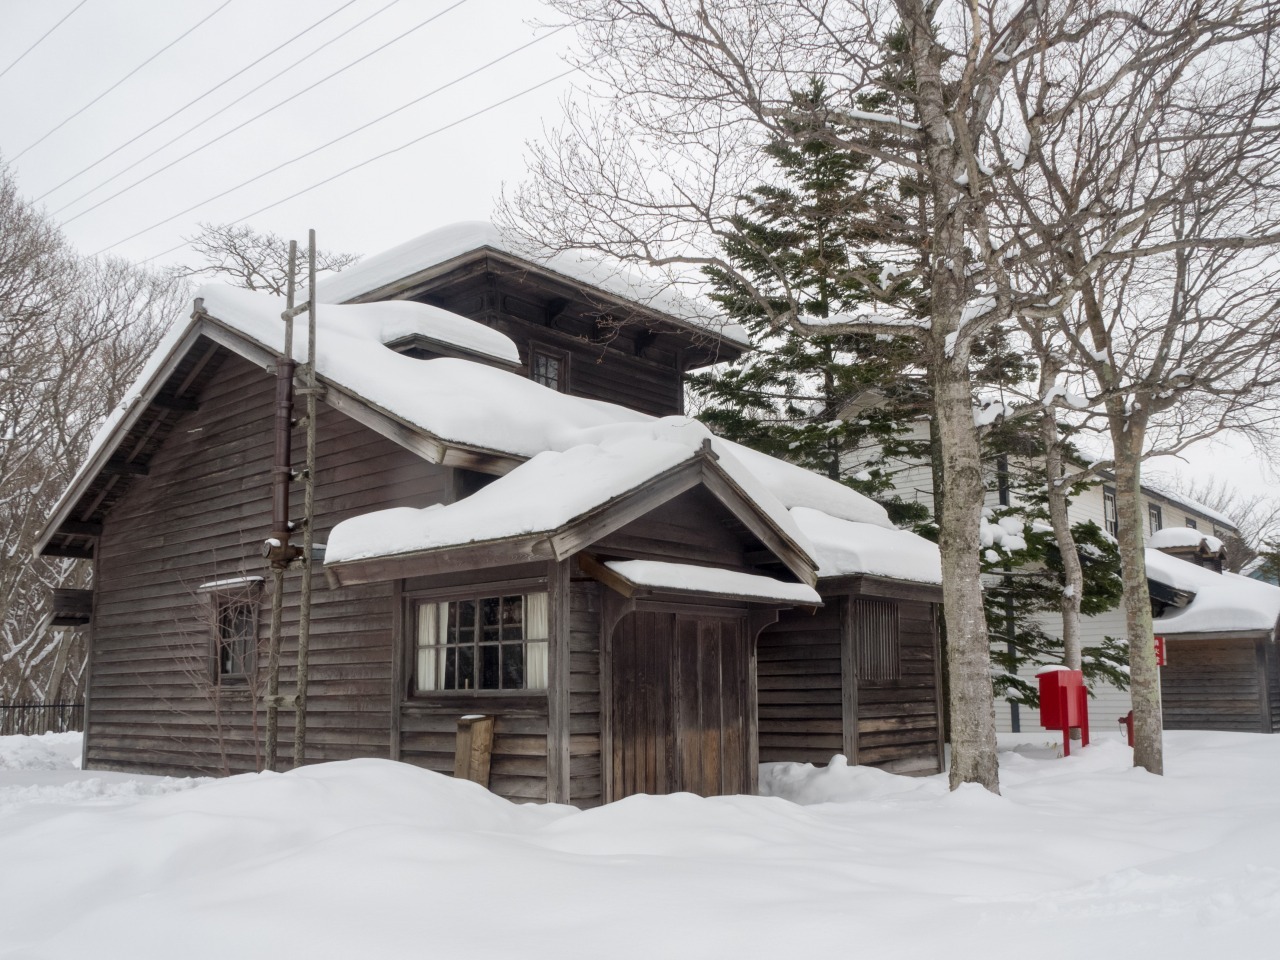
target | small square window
x=549, y=367
x=1192, y=524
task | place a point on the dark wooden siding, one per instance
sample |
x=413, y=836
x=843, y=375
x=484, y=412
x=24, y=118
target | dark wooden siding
x=1212, y=685
x=199, y=516
x=627, y=365
x=694, y=526
x=799, y=678
x=803, y=699
x=585, y=789
x=518, y=770
x=1273, y=684
x=898, y=719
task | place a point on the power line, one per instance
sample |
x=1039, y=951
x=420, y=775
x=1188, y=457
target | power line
x=259, y=116
x=223, y=6
x=221, y=110
x=314, y=150
x=43, y=37
x=350, y=169
x=192, y=103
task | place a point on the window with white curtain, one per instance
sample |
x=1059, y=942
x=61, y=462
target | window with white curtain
x=481, y=643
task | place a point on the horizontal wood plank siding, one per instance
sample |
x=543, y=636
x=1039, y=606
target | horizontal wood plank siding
x=200, y=515
x=799, y=681
x=1211, y=685
x=585, y=789
x=898, y=718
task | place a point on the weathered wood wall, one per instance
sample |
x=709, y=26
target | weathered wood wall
x=805, y=699
x=585, y=786
x=198, y=516
x=606, y=364
x=1215, y=685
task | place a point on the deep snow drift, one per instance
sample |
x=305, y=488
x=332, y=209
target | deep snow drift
x=1083, y=857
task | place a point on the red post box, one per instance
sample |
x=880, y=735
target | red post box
x=1064, y=703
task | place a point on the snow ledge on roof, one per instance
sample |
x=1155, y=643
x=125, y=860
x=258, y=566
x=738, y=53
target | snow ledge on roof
x=688, y=577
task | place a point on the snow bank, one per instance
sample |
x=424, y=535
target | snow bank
x=1082, y=857
x=843, y=548
x=1223, y=602
x=439, y=246
x=49, y=751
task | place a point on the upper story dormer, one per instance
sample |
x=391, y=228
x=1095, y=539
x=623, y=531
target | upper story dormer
x=579, y=327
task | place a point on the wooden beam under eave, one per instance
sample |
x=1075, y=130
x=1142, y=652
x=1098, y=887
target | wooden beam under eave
x=80, y=528
x=124, y=469
x=477, y=556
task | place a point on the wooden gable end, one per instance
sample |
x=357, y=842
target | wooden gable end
x=614, y=351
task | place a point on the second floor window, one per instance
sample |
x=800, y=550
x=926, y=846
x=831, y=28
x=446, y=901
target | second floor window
x=1109, y=517
x=1155, y=519
x=1192, y=524
x=549, y=368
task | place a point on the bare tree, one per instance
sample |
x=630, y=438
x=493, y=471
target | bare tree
x=979, y=112
x=72, y=337
x=244, y=257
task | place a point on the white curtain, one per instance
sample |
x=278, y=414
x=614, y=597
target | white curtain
x=536, y=632
x=433, y=621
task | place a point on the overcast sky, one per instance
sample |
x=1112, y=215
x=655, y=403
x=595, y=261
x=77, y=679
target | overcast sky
x=449, y=176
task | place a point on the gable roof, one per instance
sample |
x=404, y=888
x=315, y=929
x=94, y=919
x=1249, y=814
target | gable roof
x=412, y=263
x=449, y=411
x=559, y=503
x=1220, y=602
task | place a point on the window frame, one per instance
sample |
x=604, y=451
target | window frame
x=243, y=593
x=409, y=633
x=1155, y=518
x=1192, y=524
x=559, y=354
x=1110, y=523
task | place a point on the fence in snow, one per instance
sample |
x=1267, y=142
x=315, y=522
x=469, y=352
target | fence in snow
x=36, y=718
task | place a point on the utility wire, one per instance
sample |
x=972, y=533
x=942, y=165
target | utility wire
x=342, y=173
x=258, y=116
x=190, y=30
x=192, y=103
x=352, y=132
x=224, y=109
x=43, y=37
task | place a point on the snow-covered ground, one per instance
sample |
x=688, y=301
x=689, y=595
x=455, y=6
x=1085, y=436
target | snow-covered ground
x=1083, y=857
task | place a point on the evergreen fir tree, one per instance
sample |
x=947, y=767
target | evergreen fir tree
x=810, y=399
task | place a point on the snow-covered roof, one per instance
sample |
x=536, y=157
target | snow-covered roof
x=689, y=578
x=1223, y=602
x=1155, y=486
x=423, y=254
x=482, y=408
x=548, y=493
x=843, y=548
x=1183, y=537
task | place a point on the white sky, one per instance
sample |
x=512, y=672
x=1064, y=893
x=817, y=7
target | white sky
x=452, y=176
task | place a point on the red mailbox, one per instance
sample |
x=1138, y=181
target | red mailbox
x=1064, y=703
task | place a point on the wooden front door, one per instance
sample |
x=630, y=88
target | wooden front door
x=681, y=705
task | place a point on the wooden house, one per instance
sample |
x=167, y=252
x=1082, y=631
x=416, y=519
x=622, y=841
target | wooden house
x=518, y=524
x=1220, y=629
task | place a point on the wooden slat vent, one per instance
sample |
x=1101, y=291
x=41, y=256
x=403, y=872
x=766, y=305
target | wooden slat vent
x=877, y=638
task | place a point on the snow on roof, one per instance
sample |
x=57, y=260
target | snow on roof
x=1223, y=603
x=844, y=548
x=662, y=575
x=539, y=496
x=447, y=243
x=1157, y=487
x=548, y=492
x=392, y=320
x=1183, y=537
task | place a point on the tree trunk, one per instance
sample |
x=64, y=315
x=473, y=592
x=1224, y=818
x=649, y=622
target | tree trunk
x=1127, y=434
x=972, y=700
x=1073, y=573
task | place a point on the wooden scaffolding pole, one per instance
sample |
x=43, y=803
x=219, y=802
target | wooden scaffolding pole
x=311, y=391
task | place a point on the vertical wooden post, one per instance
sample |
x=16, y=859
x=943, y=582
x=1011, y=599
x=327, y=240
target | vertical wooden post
x=399, y=654
x=474, y=751
x=308, y=517
x=558, y=682
x=849, y=677
x=282, y=477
